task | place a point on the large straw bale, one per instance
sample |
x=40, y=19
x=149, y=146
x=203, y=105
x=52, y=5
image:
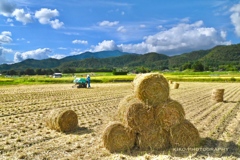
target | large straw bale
x=151, y=88
x=217, y=95
x=153, y=139
x=184, y=135
x=123, y=105
x=62, y=120
x=170, y=114
x=139, y=116
x=118, y=138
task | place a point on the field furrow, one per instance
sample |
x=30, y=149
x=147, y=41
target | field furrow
x=23, y=110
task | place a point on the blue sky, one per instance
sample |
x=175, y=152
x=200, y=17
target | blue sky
x=54, y=28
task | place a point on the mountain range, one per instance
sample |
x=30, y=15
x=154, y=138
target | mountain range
x=214, y=57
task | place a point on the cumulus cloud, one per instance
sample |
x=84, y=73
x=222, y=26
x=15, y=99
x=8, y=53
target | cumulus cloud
x=58, y=56
x=46, y=15
x=6, y=8
x=185, y=37
x=3, y=53
x=235, y=18
x=108, y=23
x=105, y=46
x=41, y=53
x=21, y=16
x=179, y=39
x=79, y=42
x=5, y=37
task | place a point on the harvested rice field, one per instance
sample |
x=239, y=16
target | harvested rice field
x=24, y=134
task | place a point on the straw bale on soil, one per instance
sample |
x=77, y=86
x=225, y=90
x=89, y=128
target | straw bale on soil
x=117, y=137
x=217, y=95
x=62, y=120
x=139, y=116
x=175, y=85
x=153, y=139
x=151, y=88
x=123, y=105
x=184, y=135
x=170, y=114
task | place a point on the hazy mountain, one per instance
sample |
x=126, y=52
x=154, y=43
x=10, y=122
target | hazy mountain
x=102, y=54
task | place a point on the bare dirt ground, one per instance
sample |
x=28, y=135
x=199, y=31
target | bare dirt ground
x=23, y=134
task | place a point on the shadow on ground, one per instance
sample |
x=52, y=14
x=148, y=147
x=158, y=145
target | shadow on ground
x=80, y=131
x=208, y=148
x=231, y=101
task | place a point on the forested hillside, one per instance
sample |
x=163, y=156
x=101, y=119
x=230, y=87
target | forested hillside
x=217, y=58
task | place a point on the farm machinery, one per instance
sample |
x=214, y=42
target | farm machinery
x=80, y=83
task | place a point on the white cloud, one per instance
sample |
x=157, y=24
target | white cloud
x=56, y=24
x=76, y=51
x=105, y=45
x=223, y=34
x=121, y=29
x=159, y=27
x=5, y=37
x=142, y=25
x=108, y=23
x=79, y=42
x=21, y=16
x=3, y=53
x=9, y=20
x=179, y=39
x=6, y=33
x=20, y=39
x=45, y=15
x=58, y=56
x=41, y=53
x=6, y=8
x=235, y=18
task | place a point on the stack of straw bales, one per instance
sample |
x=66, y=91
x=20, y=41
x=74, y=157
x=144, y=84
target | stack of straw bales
x=150, y=119
x=62, y=120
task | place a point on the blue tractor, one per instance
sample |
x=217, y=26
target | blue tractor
x=80, y=82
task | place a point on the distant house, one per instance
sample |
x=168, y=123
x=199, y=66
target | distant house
x=57, y=75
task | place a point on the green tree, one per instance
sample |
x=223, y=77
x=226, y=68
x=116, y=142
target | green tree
x=187, y=65
x=38, y=71
x=29, y=71
x=12, y=72
x=197, y=66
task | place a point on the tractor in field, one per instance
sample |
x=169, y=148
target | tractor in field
x=80, y=83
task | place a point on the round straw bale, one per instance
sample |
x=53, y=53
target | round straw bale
x=175, y=85
x=184, y=135
x=170, y=114
x=62, y=120
x=153, y=139
x=217, y=95
x=170, y=82
x=123, y=105
x=151, y=88
x=139, y=116
x=117, y=137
